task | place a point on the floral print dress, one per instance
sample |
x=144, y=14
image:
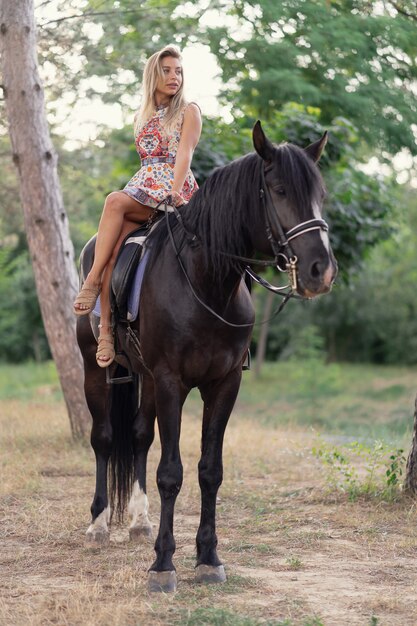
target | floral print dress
x=157, y=149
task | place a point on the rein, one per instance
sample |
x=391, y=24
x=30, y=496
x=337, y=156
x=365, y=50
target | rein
x=273, y=224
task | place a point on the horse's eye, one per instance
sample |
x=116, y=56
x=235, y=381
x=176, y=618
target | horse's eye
x=280, y=191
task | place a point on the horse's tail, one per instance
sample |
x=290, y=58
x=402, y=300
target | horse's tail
x=123, y=409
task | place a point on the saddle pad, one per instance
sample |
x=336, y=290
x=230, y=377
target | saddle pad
x=134, y=294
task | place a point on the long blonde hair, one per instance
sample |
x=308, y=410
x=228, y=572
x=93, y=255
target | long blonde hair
x=152, y=73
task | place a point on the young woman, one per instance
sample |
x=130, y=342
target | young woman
x=167, y=130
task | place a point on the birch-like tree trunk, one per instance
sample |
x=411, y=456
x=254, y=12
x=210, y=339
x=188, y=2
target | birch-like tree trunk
x=46, y=222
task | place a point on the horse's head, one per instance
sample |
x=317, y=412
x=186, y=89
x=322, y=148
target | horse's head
x=293, y=194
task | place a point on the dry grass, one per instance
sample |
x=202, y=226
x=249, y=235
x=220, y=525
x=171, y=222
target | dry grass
x=294, y=553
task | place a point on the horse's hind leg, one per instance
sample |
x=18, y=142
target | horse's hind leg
x=219, y=399
x=96, y=393
x=143, y=435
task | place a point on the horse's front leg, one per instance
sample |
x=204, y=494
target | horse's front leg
x=143, y=435
x=219, y=399
x=170, y=395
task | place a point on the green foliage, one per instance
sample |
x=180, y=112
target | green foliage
x=358, y=205
x=337, y=56
x=395, y=468
x=219, y=144
x=22, y=336
x=378, y=477
x=111, y=39
x=374, y=318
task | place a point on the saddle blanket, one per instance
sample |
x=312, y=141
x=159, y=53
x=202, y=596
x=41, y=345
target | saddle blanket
x=135, y=291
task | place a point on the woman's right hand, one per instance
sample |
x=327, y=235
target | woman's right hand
x=175, y=198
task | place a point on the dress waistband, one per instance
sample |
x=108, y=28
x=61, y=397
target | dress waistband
x=158, y=159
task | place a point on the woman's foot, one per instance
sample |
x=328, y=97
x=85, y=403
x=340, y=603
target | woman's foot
x=105, y=351
x=86, y=300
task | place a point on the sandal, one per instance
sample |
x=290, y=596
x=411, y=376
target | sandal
x=105, y=352
x=88, y=297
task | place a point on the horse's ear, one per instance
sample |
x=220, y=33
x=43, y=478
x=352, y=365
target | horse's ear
x=261, y=143
x=315, y=150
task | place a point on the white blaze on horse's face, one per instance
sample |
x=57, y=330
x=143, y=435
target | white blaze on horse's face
x=329, y=274
x=324, y=236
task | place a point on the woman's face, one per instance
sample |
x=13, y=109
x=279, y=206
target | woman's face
x=171, y=81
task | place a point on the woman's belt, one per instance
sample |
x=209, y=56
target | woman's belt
x=158, y=159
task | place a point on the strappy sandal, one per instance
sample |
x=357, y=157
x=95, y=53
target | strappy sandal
x=105, y=348
x=88, y=297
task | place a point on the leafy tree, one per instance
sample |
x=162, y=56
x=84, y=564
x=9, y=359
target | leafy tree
x=358, y=205
x=109, y=39
x=375, y=319
x=406, y=8
x=22, y=335
x=351, y=57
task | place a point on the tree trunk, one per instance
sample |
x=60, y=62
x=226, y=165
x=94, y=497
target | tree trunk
x=263, y=334
x=410, y=482
x=46, y=222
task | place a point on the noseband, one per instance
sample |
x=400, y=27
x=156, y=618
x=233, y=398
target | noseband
x=281, y=247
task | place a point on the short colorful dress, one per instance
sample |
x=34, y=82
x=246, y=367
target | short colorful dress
x=157, y=149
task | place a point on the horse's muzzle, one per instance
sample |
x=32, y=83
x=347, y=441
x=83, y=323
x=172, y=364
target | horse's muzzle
x=319, y=281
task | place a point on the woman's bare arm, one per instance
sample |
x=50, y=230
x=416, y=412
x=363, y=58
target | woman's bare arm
x=190, y=134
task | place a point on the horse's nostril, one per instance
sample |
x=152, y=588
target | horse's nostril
x=315, y=270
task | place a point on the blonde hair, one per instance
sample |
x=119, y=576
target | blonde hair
x=152, y=73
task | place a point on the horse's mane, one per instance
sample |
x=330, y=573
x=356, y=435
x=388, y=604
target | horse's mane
x=222, y=212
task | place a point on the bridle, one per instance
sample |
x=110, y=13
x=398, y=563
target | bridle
x=284, y=258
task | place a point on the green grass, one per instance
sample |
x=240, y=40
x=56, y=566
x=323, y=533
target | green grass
x=347, y=400
x=29, y=380
x=364, y=402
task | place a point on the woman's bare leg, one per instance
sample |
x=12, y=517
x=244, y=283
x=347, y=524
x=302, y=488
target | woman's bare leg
x=118, y=209
x=105, y=318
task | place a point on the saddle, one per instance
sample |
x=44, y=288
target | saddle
x=128, y=272
x=124, y=273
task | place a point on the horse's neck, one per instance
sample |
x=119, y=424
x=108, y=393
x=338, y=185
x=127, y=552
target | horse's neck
x=219, y=287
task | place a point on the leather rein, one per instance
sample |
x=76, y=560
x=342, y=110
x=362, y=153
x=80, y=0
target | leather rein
x=280, y=246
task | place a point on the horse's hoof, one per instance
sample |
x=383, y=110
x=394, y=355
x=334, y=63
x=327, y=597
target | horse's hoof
x=140, y=533
x=165, y=582
x=97, y=539
x=210, y=574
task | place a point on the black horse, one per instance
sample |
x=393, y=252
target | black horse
x=194, y=327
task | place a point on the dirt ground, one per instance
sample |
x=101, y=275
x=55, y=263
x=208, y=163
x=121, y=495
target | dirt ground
x=294, y=553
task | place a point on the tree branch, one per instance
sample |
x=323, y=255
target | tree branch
x=91, y=14
x=403, y=11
